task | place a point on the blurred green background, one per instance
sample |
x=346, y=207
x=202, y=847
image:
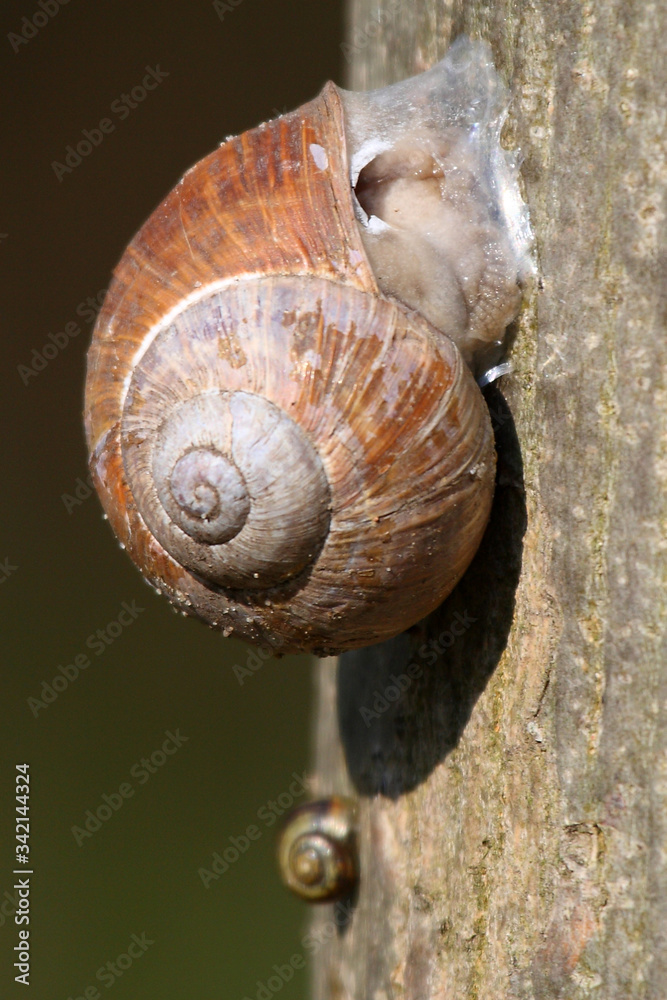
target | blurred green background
x=62, y=574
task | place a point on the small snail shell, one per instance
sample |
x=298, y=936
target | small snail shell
x=283, y=444
x=317, y=850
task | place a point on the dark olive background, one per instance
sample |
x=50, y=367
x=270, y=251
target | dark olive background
x=59, y=241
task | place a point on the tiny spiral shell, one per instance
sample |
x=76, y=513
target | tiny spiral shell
x=317, y=850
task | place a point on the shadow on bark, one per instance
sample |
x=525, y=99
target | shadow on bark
x=403, y=704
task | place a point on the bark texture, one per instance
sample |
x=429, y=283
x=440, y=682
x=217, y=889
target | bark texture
x=513, y=799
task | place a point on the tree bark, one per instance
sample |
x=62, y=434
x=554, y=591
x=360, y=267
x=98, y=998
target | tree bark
x=513, y=800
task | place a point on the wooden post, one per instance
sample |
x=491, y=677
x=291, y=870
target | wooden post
x=513, y=783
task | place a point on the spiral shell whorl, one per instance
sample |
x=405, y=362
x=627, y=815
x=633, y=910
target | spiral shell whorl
x=265, y=447
x=317, y=850
x=237, y=494
x=200, y=486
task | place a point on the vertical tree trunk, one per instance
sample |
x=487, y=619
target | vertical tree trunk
x=513, y=799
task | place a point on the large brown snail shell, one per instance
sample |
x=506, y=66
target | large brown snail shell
x=286, y=451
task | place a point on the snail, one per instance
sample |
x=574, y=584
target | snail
x=317, y=850
x=281, y=410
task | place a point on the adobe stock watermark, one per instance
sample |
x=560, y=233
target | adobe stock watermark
x=458, y=626
x=141, y=772
x=97, y=642
x=498, y=417
x=268, y=814
x=7, y=569
x=311, y=943
x=87, y=310
x=31, y=26
x=108, y=973
x=255, y=661
x=80, y=493
x=383, y=700
x=221, y=8
x=362, y=36
x=429, y=651
x=9, y=906
x=121, y=107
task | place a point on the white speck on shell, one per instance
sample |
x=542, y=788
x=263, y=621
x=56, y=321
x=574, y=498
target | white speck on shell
x=319, y=155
